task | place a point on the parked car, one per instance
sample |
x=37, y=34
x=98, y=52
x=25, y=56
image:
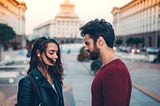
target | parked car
x=18, y=63
x=152, y=50
x=9, y=76
x=157, y=60
x=122, y=48
x=144, y=49
x=135, y=51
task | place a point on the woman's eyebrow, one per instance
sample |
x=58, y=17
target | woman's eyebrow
x=53, y=50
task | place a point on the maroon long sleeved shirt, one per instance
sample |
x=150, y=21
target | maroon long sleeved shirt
x=112, y=85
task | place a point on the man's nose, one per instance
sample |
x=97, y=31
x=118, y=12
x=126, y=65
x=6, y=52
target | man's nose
x=85, y=47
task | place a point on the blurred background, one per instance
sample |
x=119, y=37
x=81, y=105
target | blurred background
x=137, y=29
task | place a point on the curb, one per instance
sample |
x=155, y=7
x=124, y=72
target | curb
x=157, y=98
x=67, y=88
x=68, y=96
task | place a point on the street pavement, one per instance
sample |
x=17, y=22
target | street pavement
x=145, y=80
x=78, y=79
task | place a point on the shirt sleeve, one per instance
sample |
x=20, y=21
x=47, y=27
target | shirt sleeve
x=25, y=92
x=115, y=89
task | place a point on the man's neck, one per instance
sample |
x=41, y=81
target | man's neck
x=107, y=55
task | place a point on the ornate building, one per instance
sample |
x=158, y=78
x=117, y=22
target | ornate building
x=12, y=13
x=140, y=19
x=65, y=25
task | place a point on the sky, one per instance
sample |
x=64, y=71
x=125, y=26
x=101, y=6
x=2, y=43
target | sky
x=40, y=11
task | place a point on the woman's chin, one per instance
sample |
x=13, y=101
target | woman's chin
x=51, y=64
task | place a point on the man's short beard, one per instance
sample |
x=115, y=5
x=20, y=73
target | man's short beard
x=95, y=54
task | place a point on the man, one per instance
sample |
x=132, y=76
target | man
x=112, y=83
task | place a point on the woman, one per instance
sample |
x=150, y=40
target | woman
x=43, y=84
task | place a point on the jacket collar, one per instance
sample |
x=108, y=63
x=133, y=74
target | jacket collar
x=39, y=78
x=41, y=81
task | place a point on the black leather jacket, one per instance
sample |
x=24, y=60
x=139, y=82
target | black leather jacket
x=43, y=95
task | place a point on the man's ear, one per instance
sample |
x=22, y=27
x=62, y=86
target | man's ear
x=100, y=41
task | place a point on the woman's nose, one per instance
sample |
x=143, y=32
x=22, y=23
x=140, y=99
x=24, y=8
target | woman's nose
x=55, y=56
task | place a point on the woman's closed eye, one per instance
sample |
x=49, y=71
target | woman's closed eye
x=51, y=52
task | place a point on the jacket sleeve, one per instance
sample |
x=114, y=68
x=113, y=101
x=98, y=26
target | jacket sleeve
x=25, y=95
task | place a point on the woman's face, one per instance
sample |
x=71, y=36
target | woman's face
x=50, y=55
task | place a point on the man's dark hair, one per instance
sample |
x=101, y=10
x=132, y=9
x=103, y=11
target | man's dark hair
x=96, y=28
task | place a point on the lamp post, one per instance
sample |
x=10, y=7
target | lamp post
x=157, y=29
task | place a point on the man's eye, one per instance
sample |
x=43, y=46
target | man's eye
x=87, y=43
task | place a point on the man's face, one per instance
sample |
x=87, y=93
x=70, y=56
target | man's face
x=91, y=47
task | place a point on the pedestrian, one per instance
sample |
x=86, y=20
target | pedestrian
x=21, y=52
x=42, y=86
x=111, y=85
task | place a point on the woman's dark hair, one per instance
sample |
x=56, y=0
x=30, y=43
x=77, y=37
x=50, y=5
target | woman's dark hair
x=41, y=45
x=96, y=28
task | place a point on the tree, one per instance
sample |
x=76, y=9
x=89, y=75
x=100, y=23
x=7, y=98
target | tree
x=119, y=42
x=129, y=41
x=95, y=65
x=83, y=55
x=6, y=34
x=137, y=41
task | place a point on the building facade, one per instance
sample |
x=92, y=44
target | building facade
x=65, y=25
x=140, y=19
x=12, y=13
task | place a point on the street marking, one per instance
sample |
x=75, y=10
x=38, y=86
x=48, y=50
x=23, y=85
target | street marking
x=146, y=92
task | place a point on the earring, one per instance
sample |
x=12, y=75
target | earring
x=38, y=55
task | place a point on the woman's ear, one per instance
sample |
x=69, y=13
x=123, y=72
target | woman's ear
x=38, y=53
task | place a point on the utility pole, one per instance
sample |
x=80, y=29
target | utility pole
x=156, y=38
x=0, y=52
